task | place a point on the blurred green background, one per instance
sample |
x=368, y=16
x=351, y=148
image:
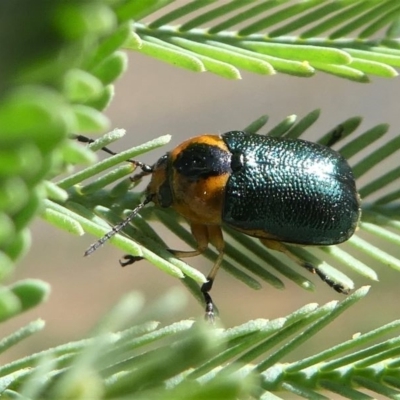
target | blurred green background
x=154, y=99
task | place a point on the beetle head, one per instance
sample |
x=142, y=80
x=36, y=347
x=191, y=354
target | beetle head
x=159, y=189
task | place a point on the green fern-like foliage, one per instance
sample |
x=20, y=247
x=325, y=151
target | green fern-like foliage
x=187, y=360
x=266, y=37
x=59, y=63
x=54, y=82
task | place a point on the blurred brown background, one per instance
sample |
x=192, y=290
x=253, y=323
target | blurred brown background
x=154, y=99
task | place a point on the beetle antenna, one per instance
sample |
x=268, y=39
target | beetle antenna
x=146, y=169
x=117, y=228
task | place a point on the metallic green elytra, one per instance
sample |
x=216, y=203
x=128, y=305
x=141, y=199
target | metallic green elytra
x=290, y=190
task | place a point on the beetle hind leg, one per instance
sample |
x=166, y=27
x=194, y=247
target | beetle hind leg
x=274, y=245
x=335, y=135
x=338, y=287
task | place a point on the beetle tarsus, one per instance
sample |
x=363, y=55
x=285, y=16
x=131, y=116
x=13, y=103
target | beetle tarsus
x=336, y=135
x=210, y=313
x=146, y=169
x=129, y=259
x=84, y=139
x=137, y=177
x=206, y=287
x=338, y=287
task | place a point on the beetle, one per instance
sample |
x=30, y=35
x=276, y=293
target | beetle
x=276, y=189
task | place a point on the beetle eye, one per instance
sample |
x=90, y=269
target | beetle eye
x=165, y=195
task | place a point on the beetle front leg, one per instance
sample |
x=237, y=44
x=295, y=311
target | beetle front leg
x=146, y=169
x=129, y=259
x=278, y=246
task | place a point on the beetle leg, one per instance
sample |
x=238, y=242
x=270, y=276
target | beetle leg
x=146, y=169
x=203, y=235
x=200, y=233
x=336, y=135
x=278, y=246
x=129, y=259
x=84, y=139
x=217, y=240
x=334, y=285
x=144, y=172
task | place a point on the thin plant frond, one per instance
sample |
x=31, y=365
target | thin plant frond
x=343, y=38
x=190, y=358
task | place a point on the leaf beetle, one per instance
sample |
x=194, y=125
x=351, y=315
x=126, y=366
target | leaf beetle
x=278, y=190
